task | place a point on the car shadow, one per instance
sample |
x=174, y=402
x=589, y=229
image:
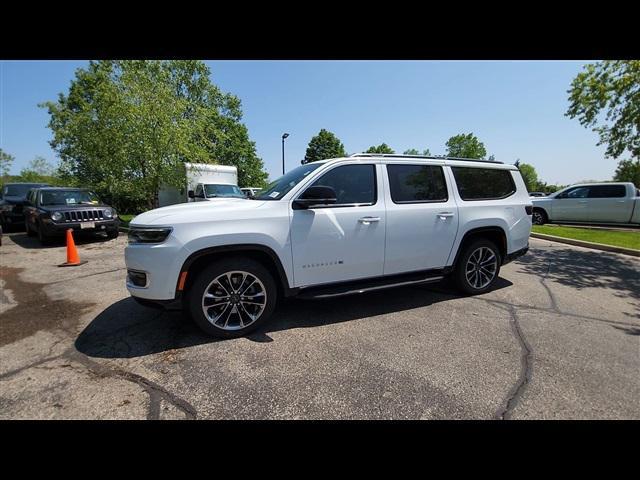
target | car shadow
x=27, y=242
x=587, y=269
x=127, y=329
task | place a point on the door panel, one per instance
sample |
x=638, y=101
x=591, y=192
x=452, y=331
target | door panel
x=609, y=203
x=422, y=218
x=573, y=207
x=340, y=243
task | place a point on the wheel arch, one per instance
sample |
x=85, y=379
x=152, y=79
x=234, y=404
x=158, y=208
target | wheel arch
x=543, y=210
x=200, y=259
x=495, y=234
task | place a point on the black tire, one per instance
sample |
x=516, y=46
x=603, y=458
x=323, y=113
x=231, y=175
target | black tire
x=30, y=232
x=539, y=217
x=462, y=273
x=44, y=238
x=206, y=278
x=111, y=234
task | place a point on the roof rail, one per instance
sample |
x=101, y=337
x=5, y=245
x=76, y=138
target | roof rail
x=396, y=155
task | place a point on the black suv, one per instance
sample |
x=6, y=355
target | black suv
x=13, y=198
x=51, y=211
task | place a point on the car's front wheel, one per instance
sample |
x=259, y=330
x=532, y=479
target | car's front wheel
x=232, y=297
x=478, y=267
x=30, y=232
x=43, y=237
x=539, y=217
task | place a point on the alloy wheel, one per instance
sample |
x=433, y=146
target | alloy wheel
x=481, y=267
x=234, y=300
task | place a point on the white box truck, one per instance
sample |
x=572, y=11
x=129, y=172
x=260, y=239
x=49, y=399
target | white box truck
x=203, y=182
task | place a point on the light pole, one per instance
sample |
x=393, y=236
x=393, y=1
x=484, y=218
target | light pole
x=284, y=135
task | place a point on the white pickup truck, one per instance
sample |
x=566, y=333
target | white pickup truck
x=614, y=203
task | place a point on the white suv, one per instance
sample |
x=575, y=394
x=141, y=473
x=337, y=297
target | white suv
x=329, y=228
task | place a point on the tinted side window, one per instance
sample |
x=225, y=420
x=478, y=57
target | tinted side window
x=352, y=183
x=483, y=183
x=579, y=192
x=417, y=183
x=607, y=191
x=199, y=190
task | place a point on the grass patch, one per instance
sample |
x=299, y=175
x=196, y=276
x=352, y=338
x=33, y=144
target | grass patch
x=125, y=219
x=606, y=237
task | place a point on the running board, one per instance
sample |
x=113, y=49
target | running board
x=352, y=288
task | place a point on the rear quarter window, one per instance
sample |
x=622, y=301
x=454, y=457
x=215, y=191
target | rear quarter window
x=483, y=183
x=607, y=191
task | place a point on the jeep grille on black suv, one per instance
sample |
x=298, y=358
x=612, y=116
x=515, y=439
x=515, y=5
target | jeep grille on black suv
x=83, y=215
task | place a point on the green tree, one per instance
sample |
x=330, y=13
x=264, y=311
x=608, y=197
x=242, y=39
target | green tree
x=628, y=171
x=39, y=166
x=382, y=148
x=413, y=151
x=322, y=146
x=465, y=146
x=6, y=161
x=606, y=97
x=529, y=175
x=126, y=127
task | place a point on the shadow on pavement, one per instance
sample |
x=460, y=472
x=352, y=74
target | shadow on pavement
x=587, y=269
x=24, y=241
x=127, y=329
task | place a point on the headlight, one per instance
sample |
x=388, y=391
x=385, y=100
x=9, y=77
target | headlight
x=56, y=216
x=149, y=235
x=108, y=213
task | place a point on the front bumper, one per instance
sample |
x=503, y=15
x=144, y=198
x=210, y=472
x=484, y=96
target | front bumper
x=170, y=305
x=52, y=228
x=161, y=264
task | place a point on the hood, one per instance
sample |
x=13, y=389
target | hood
x=535, y=200
x=82, y=206
x=13, y=200
x=221, y=209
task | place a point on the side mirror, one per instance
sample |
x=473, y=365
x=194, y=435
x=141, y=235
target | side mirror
x=190, y=194
x=314, y=196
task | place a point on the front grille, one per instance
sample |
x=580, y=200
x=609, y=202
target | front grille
x=17, y=209
x=83, y=215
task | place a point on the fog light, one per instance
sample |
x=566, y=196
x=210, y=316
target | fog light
x=139, y=279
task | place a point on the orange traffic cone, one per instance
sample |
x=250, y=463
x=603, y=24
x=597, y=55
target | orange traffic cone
x=73, y=259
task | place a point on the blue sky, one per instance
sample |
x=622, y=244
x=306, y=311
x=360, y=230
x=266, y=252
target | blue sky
x=515, y=107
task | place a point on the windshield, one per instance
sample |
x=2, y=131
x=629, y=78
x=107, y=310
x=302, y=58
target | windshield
x=280, y=187
x=232, y=191
x=16, y=190
x=68, y=197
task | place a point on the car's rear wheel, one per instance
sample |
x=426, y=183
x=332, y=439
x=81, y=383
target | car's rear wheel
x=539, y=217
x=232, y=297
x=478, y=268
x=30, y=232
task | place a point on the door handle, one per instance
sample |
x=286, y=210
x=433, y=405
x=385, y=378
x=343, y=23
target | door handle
x=445, y=215
x=621, y=201
x=582, y=201
x=368, y=220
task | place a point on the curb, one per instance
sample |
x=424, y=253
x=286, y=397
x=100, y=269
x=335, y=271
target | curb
x=582, y=243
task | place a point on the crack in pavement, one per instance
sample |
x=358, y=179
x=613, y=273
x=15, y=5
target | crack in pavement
x=155, y=391
x=526, y=368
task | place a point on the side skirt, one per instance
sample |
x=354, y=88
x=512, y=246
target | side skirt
x=368, y=285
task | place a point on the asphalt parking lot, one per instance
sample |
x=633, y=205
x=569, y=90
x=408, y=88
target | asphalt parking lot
x=558, y=339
